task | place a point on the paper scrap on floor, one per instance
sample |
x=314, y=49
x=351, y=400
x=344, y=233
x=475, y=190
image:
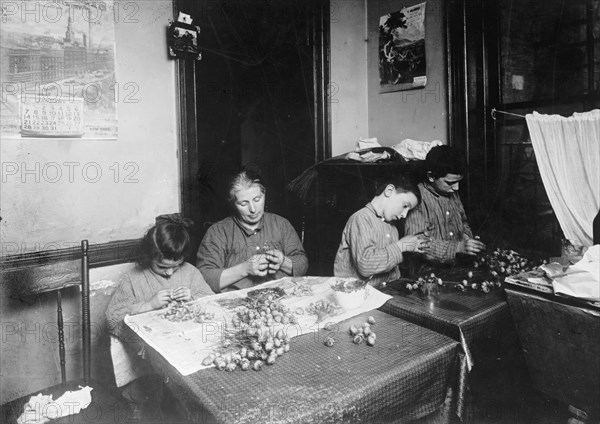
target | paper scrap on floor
x=42, y=408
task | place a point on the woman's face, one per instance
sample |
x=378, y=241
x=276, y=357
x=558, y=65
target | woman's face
x=250, y=204
x=165, y=267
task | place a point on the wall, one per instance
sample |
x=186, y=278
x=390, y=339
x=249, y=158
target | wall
x=348, y=85
x=357, y=108
x=101, y=212
x=116, y=187
x=417, y=114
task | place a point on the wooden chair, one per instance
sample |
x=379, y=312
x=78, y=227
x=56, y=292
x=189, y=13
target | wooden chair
x=107, y=406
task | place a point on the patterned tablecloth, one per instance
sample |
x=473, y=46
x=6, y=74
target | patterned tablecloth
x=404, y=376
x=464, y=316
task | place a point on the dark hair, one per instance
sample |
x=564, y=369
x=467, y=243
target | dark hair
x=444, y=160
x=168, y=239
x=244, y=179
x=403, y=183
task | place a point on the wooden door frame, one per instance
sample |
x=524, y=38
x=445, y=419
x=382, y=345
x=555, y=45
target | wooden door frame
x=472, y=48
x=189, y=152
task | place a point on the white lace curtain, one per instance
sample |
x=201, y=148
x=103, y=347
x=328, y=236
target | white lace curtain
x=567, y=151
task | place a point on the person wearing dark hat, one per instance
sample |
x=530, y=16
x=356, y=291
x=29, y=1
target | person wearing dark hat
x=441, y=214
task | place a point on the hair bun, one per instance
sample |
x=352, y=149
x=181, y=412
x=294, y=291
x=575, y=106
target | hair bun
x=174, y=218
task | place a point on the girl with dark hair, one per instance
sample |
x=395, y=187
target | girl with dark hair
x=161, y=275
x=371, y=248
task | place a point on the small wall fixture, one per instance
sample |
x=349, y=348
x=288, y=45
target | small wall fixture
x=182, y=38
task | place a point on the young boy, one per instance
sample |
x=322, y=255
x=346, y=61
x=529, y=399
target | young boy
x=440, y=214
x=370, y=248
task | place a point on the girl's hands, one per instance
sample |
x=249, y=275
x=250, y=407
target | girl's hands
x=160, y=299
x=415, y=243
x=183, y=294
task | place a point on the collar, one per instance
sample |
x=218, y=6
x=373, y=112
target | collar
x=370, y=207
x=430, y=189
x=246, y=229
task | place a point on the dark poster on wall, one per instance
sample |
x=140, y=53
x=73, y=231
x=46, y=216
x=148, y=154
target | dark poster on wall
x=402, y=63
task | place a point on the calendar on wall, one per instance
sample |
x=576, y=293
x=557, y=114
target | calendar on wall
x=57, y=68
x=56, y=119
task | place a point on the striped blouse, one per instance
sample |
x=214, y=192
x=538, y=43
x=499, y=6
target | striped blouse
x=447, y=216
x=368, y=249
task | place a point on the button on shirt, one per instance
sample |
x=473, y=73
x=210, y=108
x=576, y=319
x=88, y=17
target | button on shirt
x=228, y=243
x=368, y=249
x=447, y=215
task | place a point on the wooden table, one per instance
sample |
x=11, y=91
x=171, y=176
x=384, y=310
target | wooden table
x=560, y=339
x=404, y=376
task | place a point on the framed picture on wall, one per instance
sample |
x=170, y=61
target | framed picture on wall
x=182, y=38
x=402, y=64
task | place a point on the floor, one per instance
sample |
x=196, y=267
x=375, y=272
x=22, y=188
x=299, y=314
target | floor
x=502, y=393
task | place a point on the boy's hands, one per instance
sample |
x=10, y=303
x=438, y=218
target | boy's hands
x=471, y=246
x=414, y=243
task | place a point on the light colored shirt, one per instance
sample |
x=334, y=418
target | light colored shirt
x=140, y=285
x=228, y=243
x=368, y=249
x=448, y=218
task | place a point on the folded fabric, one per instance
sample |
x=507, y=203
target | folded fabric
x=415, y=150
x=42, y=408
x=367, y=143
x=368, y=156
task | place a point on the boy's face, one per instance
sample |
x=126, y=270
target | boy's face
x=447, y=185
x=397, y=205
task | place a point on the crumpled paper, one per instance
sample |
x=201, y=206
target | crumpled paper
x=583, y=278
x=414, y=149
x=42, y=408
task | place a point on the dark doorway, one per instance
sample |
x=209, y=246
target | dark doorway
x=256, y=99
x=513, y=57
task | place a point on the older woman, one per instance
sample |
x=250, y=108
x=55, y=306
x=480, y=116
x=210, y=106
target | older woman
x=252, y=246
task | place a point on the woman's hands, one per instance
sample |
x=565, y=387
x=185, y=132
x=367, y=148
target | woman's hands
x=257, y=265
x=268, y=263
x=275, y=258
x=414, y=243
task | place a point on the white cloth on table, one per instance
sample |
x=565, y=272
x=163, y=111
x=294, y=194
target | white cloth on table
x=582, y=279
x=128, y=361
